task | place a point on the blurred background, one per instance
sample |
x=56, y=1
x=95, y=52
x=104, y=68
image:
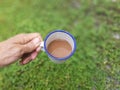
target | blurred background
x=94, y=23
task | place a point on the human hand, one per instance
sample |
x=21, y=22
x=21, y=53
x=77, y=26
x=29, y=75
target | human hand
x=23, y=46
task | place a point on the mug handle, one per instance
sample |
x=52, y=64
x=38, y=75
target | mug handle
x=42, y=46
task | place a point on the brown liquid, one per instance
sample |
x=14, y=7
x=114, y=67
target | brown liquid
x=59, y=48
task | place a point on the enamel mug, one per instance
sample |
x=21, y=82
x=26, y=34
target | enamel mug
x=55, y=35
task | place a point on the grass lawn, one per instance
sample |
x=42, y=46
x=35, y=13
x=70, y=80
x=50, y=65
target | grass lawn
x=96, y=27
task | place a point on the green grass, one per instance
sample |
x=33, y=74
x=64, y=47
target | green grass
x=94, y=23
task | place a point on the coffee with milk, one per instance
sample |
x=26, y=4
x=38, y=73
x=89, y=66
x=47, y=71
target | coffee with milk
x=59, y=48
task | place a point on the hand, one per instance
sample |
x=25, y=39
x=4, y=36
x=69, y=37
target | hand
x=23, y=46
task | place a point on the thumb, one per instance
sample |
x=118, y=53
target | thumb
x=31, y=46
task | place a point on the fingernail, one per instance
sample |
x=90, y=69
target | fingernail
x=38, y=49
x=25, y=62
x=36, y=41
x=34, y=55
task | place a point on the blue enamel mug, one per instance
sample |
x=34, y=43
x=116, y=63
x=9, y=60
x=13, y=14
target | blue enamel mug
x=55, y=35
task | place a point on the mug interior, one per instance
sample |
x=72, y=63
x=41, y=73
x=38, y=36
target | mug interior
x=63, y=35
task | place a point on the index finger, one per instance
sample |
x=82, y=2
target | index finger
x=25, y=38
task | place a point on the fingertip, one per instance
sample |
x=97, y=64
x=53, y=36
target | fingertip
x=34, y=55
x=38, y=49
x=26, y=60
x=29, y=58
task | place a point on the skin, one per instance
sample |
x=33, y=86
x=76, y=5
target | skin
x=22, y=47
